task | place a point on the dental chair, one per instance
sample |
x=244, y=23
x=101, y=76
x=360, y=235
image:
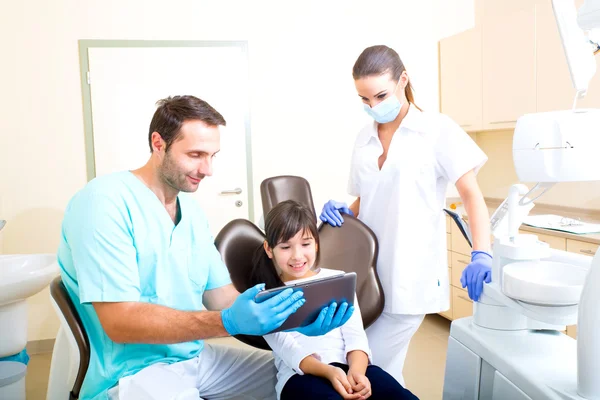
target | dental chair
x=285, y=187
x=71, y=354
x=352, y=247
x=237, y=241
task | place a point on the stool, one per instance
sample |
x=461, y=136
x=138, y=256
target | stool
x=12, y=380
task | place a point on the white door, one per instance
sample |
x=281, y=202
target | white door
x=126, y=83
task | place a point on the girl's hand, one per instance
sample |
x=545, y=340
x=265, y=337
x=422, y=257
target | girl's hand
x=360, y=384
x=340, y=383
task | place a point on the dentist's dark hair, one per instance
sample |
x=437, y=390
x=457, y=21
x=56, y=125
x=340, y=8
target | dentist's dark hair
x=282, y=223
x=380, y=60
x=172, y=112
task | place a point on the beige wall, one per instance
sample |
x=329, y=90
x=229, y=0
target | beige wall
x=304, y=109
x=499, y=174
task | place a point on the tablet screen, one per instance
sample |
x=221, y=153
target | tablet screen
x=318, y=293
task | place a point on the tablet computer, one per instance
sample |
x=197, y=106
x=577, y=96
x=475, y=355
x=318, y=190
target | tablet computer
x=318, y=293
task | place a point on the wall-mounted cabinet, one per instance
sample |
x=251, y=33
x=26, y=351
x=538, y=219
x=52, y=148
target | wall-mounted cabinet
x=512, y=63
x=508, y=62
x=460, y=78
x=554, y=90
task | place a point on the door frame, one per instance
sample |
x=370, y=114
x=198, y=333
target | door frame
x=85, y=45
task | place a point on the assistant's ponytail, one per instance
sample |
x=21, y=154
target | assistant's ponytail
x=410, y=97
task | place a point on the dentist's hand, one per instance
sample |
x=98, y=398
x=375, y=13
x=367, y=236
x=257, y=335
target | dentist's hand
x=477, y=272
x=246, y=316
x=328, y=320
x=332, y=212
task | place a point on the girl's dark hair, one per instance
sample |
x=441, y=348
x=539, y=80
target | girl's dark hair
x=282, y=223
x=380, y=60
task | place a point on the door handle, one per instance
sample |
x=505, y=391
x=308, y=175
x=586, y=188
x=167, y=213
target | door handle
x=232, y=191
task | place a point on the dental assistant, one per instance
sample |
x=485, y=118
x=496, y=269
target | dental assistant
x=402, y=163
x=139, y=262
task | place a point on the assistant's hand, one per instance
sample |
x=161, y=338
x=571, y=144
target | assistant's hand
x=476, y=273
x=330, y=317
x=332, y=212
x=246, y=316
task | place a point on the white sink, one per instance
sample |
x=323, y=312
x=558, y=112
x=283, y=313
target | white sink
x=546, y=283
x=21, y=276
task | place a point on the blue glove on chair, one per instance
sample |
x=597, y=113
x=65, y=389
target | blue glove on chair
x=331, y=212
x=477, y=272
x=247, y=317
x=328, y=320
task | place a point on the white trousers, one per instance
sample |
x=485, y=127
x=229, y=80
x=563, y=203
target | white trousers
x=219, y=372
x=389, y=337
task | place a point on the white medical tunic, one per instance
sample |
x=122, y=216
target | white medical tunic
x=403, y=204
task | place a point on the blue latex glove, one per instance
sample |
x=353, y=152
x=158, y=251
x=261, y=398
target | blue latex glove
x=332, y=212
x=477, y=272
x=328, y=320
x=247, y=317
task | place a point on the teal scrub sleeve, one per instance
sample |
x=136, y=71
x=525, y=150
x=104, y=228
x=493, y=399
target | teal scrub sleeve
x=99, y=233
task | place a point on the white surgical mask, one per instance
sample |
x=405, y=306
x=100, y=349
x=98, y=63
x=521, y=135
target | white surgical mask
x=387, y=110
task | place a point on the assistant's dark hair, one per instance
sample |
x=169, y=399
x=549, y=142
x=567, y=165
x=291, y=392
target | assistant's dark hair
x=282, y=223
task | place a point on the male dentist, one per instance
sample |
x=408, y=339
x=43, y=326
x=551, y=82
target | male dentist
x=139, y=262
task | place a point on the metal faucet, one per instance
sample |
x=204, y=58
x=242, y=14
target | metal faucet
x=2, y=223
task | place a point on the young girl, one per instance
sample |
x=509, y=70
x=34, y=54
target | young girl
x=336, y=365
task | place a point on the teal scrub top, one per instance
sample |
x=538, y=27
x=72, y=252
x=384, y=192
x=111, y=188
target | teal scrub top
x=119, y=244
